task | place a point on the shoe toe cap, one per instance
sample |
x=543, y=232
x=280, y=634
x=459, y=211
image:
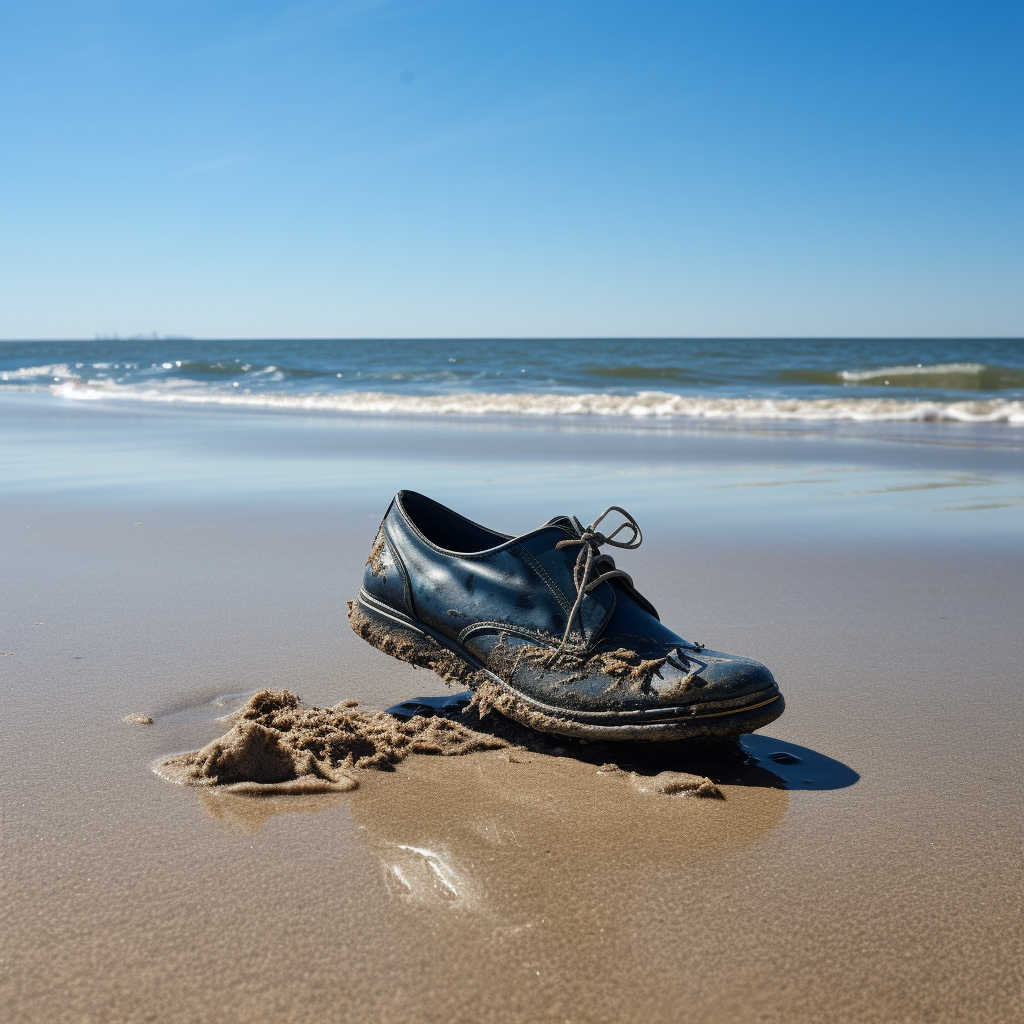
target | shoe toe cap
x=725, y=675
x=711, y=676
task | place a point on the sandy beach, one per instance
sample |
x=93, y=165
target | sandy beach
x=172, y=565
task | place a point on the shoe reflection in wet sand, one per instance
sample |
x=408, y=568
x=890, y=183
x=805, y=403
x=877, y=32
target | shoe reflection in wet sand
x=507, y=832
x=425, y=875
x=513, y=834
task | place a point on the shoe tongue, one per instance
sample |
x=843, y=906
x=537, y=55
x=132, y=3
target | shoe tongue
x=568, y=522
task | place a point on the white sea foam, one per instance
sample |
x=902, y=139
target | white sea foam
x=642, y=405
x=38, y=373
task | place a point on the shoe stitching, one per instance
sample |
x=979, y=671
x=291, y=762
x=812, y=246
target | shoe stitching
x=524, y=632
x=538, y=567
x=400, y=565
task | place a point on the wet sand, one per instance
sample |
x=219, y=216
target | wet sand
x=513, y=885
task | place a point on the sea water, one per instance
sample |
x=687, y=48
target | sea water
x=666, y=380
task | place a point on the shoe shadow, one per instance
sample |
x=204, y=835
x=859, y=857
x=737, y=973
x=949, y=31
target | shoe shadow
x=798, y=767
x=750, y=760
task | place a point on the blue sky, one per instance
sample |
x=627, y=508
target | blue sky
x=246, y=168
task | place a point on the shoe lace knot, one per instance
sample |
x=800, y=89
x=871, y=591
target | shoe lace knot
x=591, y=560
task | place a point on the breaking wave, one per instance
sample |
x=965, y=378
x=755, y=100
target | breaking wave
x=641, y=405
x=937, y=376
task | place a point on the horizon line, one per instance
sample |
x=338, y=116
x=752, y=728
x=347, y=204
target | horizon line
x=514, y=337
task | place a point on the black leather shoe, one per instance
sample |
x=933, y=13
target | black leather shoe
x=546, y=630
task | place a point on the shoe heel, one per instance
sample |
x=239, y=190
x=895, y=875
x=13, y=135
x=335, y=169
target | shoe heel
x=407, y=643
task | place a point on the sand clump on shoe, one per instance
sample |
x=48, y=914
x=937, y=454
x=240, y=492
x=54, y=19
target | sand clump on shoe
x=628, y=668
x=277, y=746
x=414, y=647
x=624, y=665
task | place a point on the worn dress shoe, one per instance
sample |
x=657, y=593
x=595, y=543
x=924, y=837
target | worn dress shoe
x=546, y=630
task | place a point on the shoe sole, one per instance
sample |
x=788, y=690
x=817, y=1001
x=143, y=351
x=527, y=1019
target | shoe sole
x=396, y=635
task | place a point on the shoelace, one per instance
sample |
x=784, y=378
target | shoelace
x=590, y=558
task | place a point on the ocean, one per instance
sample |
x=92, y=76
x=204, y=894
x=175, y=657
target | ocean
x=668, y=380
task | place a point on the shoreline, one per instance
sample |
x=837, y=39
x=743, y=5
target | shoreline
x=980, y=435
x=551, y=404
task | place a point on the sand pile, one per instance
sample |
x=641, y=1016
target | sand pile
x=673, y=783
x=667, y=783
x=276, y=746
